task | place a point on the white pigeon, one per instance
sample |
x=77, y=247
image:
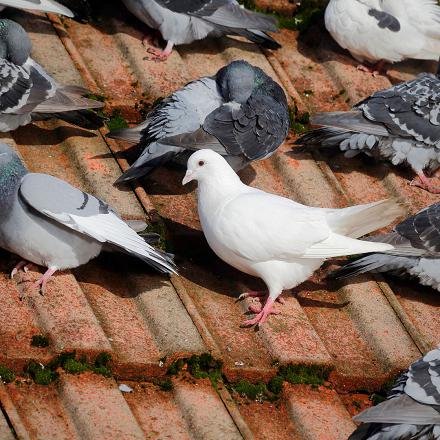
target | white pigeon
x=37, y=5
x=272, y=237
x=379, y=31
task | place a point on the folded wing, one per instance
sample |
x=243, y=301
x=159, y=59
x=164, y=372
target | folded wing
x=88, y=215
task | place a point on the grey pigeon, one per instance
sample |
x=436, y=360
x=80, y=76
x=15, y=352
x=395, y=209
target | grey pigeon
x=185, y=21
x=50, y=223
x=28, y=93
x=416, y=252
x=379, y=31
x=400, y=124
x=37, y=5
x=240, y=113
x=412, y=409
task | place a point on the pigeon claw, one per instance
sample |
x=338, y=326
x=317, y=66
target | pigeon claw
x=157, y=55
x=426, y=183
x=261, y=317
x=42, y=282
x=255, y=294
x=375, y=70
x=21, y=265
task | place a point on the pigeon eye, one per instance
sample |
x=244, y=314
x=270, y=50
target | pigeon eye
x=201, y=163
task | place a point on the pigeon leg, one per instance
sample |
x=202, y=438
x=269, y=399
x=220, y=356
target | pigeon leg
x=425, y=183
x=254, y=294
x=159, y=55
x=262, y=316
x=44, y=279
x=21, y=265
x=375, y=70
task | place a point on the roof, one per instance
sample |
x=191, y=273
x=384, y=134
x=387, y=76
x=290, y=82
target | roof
x=364, y=331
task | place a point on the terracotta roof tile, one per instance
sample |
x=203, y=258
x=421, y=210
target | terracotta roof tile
x=364, y=331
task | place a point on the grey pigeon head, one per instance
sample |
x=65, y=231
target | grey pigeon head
x=11, y=172
x=237, y=80
x=15, y=45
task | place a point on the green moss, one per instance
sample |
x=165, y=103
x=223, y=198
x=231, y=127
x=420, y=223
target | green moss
x=42, y=375
x=100, y=98
x=73, y=366
x=275, y=385
x=116, y=121
x=176, y=367
x=40, y=341
x=199, y=366
x=304, y=374
x=103, y=359
x=68, y=361
x=304, y=16
x=299, y=123
x=6, y=375
x=165, y=384
x=250, y=390
x=381, y=395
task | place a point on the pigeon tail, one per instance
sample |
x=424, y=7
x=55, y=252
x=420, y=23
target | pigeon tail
x=86, y=119
x=261, y=38
x=132, y=135
x=153, y=156
x=67, y=98
x=369, y=263
x=324, y=137
x=357, y=221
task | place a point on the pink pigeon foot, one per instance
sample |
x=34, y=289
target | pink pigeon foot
x=21, y=265
x=375, y=70
x=261, y=317
x=41, y=283
x=254, y=294
x=159, y=55
x=426, y=183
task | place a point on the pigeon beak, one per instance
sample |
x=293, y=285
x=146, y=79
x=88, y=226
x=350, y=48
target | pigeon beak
x=188, y=177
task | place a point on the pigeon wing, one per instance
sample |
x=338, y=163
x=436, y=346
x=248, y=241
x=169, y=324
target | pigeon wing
x=423, y=229
x=87, y=215
x=423, y=383
x=423, y=14
x=15, y=87
x=255, y=129
x=39, y=5
x=263, y=227
x=410, y=109
x=226, y=13
x=402, y=409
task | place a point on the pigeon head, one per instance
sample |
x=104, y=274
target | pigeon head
x=204, y=165
x=11, y=172
x=237, y=80
x=15, y=45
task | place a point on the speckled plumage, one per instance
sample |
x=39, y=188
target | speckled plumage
x=412, y=409
x=28, y=92
x=400, y=124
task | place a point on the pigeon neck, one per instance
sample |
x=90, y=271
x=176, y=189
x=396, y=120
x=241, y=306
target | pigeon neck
x=215, y=191
x=10, y=179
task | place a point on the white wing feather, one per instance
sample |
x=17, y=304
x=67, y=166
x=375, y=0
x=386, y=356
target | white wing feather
x=260, y=227
x=109, y=228
x=42, y=5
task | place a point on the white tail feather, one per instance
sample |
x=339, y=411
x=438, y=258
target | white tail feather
x=356, y=221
